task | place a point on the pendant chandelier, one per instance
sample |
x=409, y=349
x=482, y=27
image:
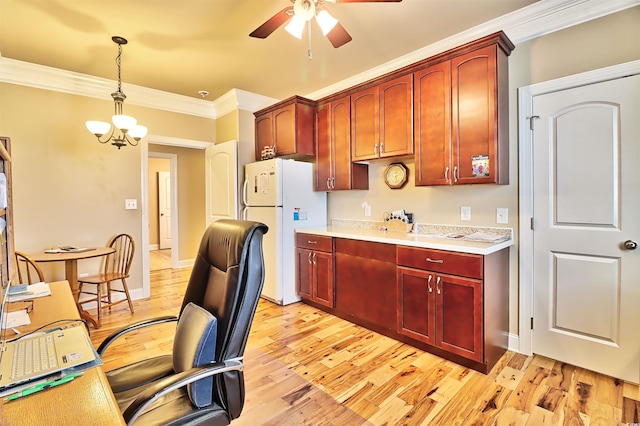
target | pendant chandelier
x=125, y=127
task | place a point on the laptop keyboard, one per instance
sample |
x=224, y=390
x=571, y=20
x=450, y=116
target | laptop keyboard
x=34, y=355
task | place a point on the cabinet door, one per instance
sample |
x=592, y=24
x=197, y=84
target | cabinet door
x=416, y=304
x=432, y=122
x=304, y=273
x=284, y=130
x=264, y=133
x=323, y=278
x=364, y=124
x=475, y=116
x=459, y=316
x=323, y=167
x=396, y=117
x=341, y=142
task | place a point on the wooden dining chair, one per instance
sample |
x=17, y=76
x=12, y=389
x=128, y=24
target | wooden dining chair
x=116, y=268
x=28, y=270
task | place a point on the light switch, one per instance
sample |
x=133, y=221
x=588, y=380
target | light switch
x=130, y=204
x=465, y=213
x=502, y=215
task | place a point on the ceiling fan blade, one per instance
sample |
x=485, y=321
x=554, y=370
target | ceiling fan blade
x=272, y=24
x=338, y=36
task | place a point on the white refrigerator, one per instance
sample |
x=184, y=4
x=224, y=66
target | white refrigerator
x=279, y=193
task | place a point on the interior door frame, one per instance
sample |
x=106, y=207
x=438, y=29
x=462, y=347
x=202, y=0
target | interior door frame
x=144, y=179
x=525, y=172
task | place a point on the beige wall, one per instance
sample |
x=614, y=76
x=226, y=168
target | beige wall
x=607, y=41
x=155, y=165
x=227, y=127
x=191, y=197
x=68, y=188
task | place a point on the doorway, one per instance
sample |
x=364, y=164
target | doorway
x=162, y=204
x=579, y=201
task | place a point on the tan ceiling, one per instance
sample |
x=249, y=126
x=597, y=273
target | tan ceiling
x=183, y=46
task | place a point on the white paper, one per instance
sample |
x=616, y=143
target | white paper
x=16, y=319
x=34, y=290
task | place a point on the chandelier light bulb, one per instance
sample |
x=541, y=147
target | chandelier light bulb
x=124, y=122
x=138, y=132
x=98, y=128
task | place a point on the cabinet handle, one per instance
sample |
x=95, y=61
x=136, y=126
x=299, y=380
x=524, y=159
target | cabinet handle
x=429, y=283
x=434, y=260
x=381, y=148
x=328, y=183
x=314, y=258
x=455, y=173
x=309, y=258
x=333, y=183
x=438, y=289
x=375, y=149
x=446, y=174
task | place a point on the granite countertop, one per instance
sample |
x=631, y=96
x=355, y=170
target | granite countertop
x=426, y=237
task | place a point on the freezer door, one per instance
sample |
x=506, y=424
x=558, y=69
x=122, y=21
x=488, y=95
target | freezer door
x=271, y=248
x=263, y=183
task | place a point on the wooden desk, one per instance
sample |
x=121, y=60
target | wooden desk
x=87, y=400
x=70, y=260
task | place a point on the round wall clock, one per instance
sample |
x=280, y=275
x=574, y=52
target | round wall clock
x=396, y=175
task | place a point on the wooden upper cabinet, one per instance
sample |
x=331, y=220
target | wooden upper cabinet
x=287, y=125
x=382, y=120
x=461, y=117
x=479, y=134
x=334, y=169
x=365, y=136
x=396, y=117
x=432, y=123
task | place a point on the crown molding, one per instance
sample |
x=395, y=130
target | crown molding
x=236, y=99
x=535, y=20
x=538, y=19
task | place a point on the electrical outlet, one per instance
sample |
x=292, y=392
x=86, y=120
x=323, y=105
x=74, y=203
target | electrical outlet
x=130, y=204
x=465, y=213
x=502, y=215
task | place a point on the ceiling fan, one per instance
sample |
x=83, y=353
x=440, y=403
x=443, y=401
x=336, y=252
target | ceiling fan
x=305, y=10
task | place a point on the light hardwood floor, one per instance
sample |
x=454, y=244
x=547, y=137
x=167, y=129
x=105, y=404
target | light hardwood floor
x=306, y=367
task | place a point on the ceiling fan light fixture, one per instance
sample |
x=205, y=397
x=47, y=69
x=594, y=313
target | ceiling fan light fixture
x=296, y=26
x=326, y=21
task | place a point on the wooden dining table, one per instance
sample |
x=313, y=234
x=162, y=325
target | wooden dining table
x=70, y=259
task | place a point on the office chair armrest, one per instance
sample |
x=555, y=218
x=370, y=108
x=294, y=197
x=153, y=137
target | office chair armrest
x=176, y=381
x=132, y=327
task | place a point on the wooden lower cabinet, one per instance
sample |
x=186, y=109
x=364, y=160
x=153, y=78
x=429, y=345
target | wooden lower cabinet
x=442, y=310
x=314, y=262
x=455, y=305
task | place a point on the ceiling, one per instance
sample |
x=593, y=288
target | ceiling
x=185, y=46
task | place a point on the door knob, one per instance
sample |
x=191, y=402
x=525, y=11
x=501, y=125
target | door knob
x=630, y=245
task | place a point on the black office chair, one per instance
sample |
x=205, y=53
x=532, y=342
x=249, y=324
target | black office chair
x=202, y=380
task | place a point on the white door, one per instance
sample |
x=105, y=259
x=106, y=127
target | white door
x=586, y=156
x=164, y=209
x=221, y=175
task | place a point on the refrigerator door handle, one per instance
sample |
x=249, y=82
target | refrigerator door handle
x=244, y=191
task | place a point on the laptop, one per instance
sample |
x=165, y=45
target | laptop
x=38, y=355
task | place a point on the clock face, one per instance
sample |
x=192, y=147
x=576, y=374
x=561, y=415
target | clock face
x=396, y=175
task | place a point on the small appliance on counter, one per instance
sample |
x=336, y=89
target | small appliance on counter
x=398, y=221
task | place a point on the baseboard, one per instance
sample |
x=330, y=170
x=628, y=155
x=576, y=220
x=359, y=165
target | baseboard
x=153, y=246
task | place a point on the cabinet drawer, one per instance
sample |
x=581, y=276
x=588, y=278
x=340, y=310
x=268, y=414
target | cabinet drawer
x=375, y=251
x=461, y=264
x=314, y=242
